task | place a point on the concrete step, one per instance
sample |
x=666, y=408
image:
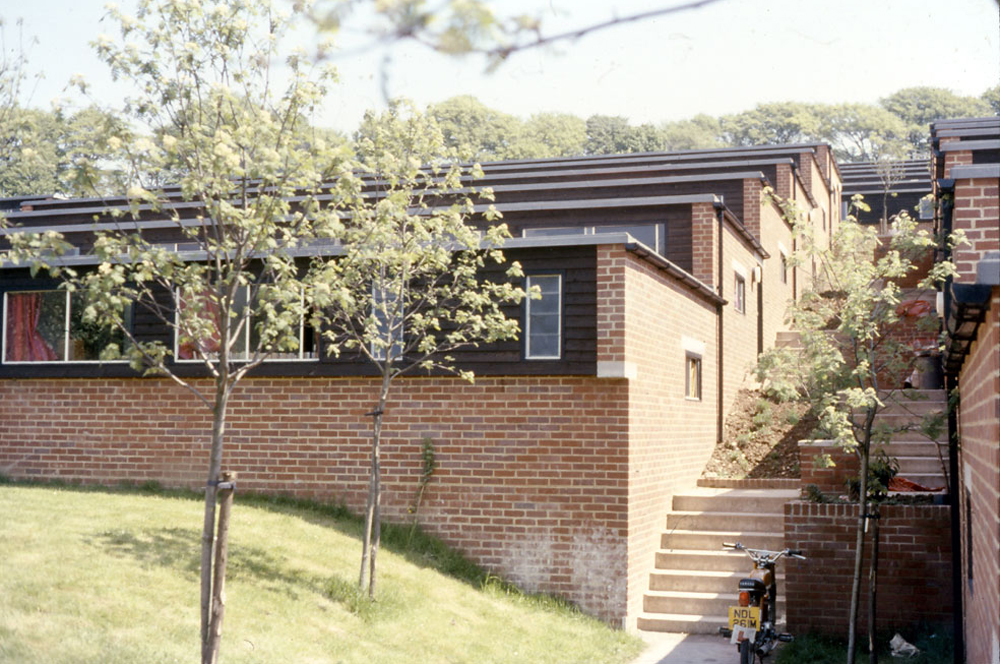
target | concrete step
x=709, y=560
x=703, y=603
x=704, y=499
x=682, y=622
x=713, y=539
x=908, y=396
x=898, y=421
x=925, y=465
x=788, y=339
x=914, y=448
x=897, y=406
x=696, y=580
x=726, y=521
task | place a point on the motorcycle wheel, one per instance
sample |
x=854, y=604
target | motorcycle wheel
x=746, y=652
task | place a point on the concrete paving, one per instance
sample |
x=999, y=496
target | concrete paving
x=675, y=648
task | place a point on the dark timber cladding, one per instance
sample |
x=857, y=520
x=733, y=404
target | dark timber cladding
x=558, y=210
x=906, y=181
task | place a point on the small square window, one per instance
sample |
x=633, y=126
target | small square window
x=740, y=294
x=692, y=380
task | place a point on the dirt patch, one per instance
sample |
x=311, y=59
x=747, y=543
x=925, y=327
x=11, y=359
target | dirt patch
x=761, y=439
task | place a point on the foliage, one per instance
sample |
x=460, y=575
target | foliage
x=216, y=120
x=918, y=107
x=992, y=97
x=863, y=132
x=778, y=122
x=474, y=130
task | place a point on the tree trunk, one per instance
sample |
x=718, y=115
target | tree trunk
x=373, y=510
x=872, y=586
x=208, y=528
x=859, y=543
x=226, y=489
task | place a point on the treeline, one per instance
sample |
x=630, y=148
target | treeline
x=895, y=128
x=46, y=152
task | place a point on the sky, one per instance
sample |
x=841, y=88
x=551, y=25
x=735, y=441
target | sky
x=723, y=58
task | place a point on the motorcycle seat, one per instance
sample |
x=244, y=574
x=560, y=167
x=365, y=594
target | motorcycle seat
x=753, y=585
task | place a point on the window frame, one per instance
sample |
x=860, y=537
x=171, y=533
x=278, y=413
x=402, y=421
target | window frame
x=739, y=293
x=247, y=333
x=784, y=267
x=560, y=312
x=380, y=354
x=67, y=331
x=659, y=230
x=695, y=359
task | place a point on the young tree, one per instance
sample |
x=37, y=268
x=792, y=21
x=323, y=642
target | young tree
x=846, y=322
x=218, y=121
x=412, y=273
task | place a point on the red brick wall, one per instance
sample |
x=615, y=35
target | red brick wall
x=977, y=212
x=704, y=243
x=532, y=479
x=830, y=480
x=914, y=583
x=979, y=430
x=670, y=436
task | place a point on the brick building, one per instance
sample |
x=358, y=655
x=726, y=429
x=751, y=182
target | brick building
x=967, y=172
x=667, y=274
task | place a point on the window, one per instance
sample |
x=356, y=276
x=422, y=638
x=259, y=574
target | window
x=925, y=210
x=740, y=293
x=248, y=339
x=383, y=304
x=48, y=326
x=543, y=324
x=784, y=268
x=653, y=236
x=692, y=381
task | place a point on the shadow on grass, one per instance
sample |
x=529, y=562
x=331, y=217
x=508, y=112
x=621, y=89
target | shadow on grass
x=180, y=548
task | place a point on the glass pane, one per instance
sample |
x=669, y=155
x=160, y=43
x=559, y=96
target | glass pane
x=544, y=345
x=545, y=232
x=35, y=326
x=645, y=233
x=544, y=323
x=87, y=340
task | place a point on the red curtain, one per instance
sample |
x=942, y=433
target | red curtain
x=24, y=342
x=191, y=350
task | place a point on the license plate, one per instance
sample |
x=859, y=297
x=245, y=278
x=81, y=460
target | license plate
x=744, y=616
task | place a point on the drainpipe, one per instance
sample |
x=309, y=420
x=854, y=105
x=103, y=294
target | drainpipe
x=946, y=196
x=721, y=355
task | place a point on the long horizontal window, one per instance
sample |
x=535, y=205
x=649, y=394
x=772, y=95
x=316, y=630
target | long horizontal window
x=49, y=326
x=653, y=236
x=248, y=338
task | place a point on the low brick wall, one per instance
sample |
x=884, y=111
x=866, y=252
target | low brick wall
x=914, y=582
x=830, y=480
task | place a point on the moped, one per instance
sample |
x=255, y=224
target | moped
x=752, y=623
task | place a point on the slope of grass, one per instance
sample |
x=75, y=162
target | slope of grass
x=105, y=577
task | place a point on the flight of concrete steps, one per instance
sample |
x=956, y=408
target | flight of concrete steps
x=695, y=580
x=921, y=459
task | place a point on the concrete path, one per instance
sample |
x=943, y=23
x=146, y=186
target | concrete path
x=674, y=648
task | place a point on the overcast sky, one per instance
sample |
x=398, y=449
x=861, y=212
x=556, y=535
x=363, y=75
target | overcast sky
x=721, y=59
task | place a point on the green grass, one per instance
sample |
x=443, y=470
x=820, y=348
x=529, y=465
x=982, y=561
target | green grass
x=935, y=648
x=112, y=576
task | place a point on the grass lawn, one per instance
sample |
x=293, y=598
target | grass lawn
x=105, y=577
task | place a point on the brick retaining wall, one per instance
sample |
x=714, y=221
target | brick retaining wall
x=914, y=583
